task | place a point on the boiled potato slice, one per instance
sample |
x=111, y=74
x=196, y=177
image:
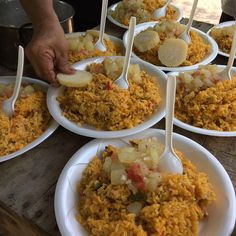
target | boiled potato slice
x=146, y=40
x=79, y=79
x=173, y=52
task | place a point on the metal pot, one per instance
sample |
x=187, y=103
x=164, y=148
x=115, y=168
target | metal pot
x=15, y=28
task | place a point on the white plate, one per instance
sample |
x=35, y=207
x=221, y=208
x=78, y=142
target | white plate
x=207, y=39
x=222, y=212
x=112, y=38
x=222, y=25
x=202, y=130
x=86, y=130
x=52, y=127
x=113, y=7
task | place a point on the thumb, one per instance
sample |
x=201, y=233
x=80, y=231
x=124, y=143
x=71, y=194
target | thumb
x=63, y=66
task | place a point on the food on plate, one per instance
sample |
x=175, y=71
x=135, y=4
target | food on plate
x=204, y=101
x=223, y=36
x=82, y=46
x=123, y=193
x=197, y=50
x=173, y=52
x=31, y=118
x=104, y=105
x=142, y=9
x=79, y=79
x=140, y=42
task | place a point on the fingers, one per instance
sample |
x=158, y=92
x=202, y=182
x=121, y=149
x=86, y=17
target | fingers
x=48, y=62
x=63, y=65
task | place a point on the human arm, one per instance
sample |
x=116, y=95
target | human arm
x=47, y=51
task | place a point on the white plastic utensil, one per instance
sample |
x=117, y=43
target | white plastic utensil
x=169, y=161
x=8, y=104
x=225, y=74
x=100, y=43
x=185, y=35
x=161, y=12
x=122, y=81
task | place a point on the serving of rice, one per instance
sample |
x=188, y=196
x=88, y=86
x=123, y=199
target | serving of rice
x=104, y=105
x=198, y=49
x=82, y=46
x=31, y=118
x=204, y=101
x=175, y=207
x=142, y=9
x=223, y=36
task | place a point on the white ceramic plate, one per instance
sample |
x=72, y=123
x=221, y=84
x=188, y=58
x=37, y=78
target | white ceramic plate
x=201, y=130
x=207, y=38
x=222, y=212
x=51, y=128
x=113, y=7
x=222, y=25
x=112, y=38
x=86, y=130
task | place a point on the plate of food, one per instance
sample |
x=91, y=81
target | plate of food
x=31, y=123
x=121, y=12
x=99, y=108
x=158, y=44
x=223, y=35
x=204, y=103
x=81, y=45
x=113, y=186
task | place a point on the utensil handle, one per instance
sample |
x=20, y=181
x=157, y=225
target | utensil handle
x=167, y=3
x=130, y=40
x=190, y=21
x=232, y=51
x=170, y=107
x=19, y=73
x=103, y=20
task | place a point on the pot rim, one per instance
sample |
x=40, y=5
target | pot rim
x=10, y=26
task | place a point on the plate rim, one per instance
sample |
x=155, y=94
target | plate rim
x=53, y=104
x=115, y=22
x=77, y=155
x=51, y=128
x=206, y=61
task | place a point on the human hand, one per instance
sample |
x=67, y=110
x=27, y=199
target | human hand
x=47, y=52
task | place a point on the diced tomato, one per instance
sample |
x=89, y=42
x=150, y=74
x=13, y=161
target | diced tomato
x=109, y=85
x=134, y=174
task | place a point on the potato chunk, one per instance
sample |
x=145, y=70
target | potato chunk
x=146, y=40
x=79, y=79
x=173, y=52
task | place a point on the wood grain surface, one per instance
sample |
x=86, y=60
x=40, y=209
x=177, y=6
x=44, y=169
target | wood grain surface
x=27, y=183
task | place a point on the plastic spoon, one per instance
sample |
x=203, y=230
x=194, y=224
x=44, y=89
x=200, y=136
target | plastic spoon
x=122, y=81
x=169, y=161
x=8, y=105
x=225, y=74
x=161, y=12
x=185, y=35
x=100, y=44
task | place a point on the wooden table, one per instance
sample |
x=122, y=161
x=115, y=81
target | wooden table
x=27, y=183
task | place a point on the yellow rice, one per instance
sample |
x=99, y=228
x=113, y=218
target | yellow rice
x=104, y=105
x=211, y=108
x=197, y=51
x=31, y=118
x=142, y=10
x=175, y=208
x=113, y=49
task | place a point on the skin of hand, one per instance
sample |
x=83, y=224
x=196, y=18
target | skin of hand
x=47, y=52
x=48, y=49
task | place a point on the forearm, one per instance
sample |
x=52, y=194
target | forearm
x=40, y=12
